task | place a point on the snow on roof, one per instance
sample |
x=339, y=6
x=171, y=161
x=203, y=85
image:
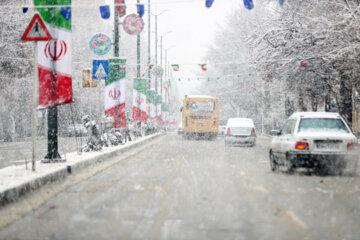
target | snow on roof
x=200, y=96
x=315, y=114
x=240, y=122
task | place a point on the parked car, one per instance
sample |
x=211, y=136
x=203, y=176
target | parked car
x=240, y=131
x=319, y=141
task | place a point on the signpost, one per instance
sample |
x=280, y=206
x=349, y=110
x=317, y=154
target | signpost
x=100, y=71
x=36, y=31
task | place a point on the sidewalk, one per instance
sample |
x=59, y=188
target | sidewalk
x=16, y=181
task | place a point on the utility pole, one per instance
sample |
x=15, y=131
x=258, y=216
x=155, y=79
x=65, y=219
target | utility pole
x=116, y=30
x=138, y=70
x=161, y=78
x=156, y=43
x=149, y=47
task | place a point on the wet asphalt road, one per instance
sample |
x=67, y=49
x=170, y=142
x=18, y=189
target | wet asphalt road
x=188, y=189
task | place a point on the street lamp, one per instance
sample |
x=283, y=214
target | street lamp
x=167, y=72
x=156, y=39
x=161, y=58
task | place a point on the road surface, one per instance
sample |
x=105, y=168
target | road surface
x=190, y=189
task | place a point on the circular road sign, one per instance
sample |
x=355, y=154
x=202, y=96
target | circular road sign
x=133, y=24
x=100, y=44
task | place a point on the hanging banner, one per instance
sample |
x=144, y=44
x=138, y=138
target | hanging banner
x=139, y=100
x=55, y=56
x=115, y=88
x=165, y=113
x=158, y=108
x=151, y=99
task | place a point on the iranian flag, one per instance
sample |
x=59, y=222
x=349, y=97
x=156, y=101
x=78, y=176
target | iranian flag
x=175, y=67
x=54, y=56
x=203, y=67
x=115, y=88
x=139, y=100
x=150, y=98
x=158, y=108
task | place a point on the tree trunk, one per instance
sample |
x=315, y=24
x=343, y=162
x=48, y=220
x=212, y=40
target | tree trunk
x=345, y=101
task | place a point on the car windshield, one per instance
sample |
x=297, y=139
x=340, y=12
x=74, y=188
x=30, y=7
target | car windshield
x=322, y=125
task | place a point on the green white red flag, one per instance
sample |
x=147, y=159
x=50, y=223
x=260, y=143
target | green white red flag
x=121, y=7
x=203, y=67
x=158, y=108
x=151, y=107
x=115, y=88
x=175, y=67
x=55, y=56
x=139, y=100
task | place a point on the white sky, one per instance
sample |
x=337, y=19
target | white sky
x=189, y=28
x=193, y=28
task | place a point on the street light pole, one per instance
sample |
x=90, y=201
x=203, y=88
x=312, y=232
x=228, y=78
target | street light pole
x=149, y=47
x=116, y=30
x=156, y=82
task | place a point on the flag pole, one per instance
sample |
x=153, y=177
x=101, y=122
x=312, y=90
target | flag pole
x=35, y=89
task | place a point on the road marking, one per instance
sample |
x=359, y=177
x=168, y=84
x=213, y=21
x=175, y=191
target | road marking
x=321, y=190
x=296, y=219
x=138, y=187
x=261, y=189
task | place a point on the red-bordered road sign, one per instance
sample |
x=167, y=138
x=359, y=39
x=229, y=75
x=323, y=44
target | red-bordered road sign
x=36, y=31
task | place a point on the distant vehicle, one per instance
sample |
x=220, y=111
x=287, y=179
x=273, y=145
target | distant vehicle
x=222, y=127
x=179, y=129
x=200, y=115
x=240, y=131
x=76, y=130
x=321, y=141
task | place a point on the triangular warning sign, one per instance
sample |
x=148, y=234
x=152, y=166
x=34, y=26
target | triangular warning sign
x=36, y=31
x=100, y=73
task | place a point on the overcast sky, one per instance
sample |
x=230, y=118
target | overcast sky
x=193, y=27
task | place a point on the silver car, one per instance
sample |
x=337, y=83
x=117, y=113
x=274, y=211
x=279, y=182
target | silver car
x=240, y=131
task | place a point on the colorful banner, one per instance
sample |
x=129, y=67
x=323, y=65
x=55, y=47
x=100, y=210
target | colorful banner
x=151, y=108
x=158, y=108
x=139, y=100
x=55, y=56
x=165, y=113
x=115, y=88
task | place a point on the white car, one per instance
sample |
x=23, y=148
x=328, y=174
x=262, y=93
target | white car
x=320, y=141
x=240, y=131
x=222, y=127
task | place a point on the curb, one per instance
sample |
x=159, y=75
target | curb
x=53, y=172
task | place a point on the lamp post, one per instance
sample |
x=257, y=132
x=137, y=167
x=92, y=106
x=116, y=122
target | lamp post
x=167, y=72
x=161, y=58
x=156, y=44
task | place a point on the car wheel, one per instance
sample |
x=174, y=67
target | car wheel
x=288, y=165
x=273, y=163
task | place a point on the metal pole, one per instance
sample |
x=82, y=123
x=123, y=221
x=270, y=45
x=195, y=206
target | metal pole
x=149, y=47
x=35, y=89
x=116, y=30
x=156, y=81
x=161, y=78
x=138, y=72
